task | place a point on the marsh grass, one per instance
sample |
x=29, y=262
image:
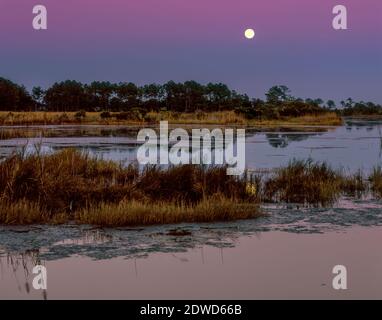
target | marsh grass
x=354, y=185
x=308, y=183
x=324, y=119
x=72, y=186
x=69, y=185
x=142, y=213
x=303, y=182
x=46, y=118
x=199, y=117
x=375, y=180
x=21, y=212
x=314, y=184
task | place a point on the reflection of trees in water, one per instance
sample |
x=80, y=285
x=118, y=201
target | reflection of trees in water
x=22, y=263
x=99, y=149
x=369, y=125
x=282, y=140
x=68, y=132
x=95, y=132
x=359, y=124
x=276, y=140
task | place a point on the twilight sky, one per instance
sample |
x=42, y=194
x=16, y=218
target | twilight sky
x=147, y=41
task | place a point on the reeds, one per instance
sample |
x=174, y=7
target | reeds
x=142, y=213
x=21, y=212
x=199, y=117
x=70, y=185
x=58, y=118
x=322, y=119
x=354, y=185
x=73, y=186
x=375, y=179
x=313, y=184
x=303, y=182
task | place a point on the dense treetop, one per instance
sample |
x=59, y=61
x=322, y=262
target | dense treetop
x=189, y=96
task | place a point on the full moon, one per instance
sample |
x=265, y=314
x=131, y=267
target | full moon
x=249, y=33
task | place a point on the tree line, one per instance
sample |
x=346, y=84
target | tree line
x=189, y=96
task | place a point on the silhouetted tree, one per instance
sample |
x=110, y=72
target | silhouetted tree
x=38, y=96
x=331, y=104
x=14, y=97
x=100, y=93
x=189, y=96
x=152, y=96
x=278, y=94
x=68, y=95
x=129, y=95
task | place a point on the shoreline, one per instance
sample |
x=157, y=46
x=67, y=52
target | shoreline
x=30, y=118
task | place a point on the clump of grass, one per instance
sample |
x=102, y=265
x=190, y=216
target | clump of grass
x=63, y=181
x=21, y=212
x=354, y=185
x=61, y=185
x=190, y=184
x=305, y=182
x=375, y=179
x=72, y=186
x=143, y=213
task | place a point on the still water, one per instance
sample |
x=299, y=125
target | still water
x=355, y=145
x=290, y=253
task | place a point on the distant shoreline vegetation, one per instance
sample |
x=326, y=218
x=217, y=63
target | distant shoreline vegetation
x=152, y=118
x=127, y=101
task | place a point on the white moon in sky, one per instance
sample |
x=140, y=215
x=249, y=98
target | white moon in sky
x=249, y=33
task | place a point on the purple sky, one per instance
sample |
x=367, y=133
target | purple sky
x=147, y=41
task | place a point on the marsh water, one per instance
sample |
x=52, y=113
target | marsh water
x=289, y=253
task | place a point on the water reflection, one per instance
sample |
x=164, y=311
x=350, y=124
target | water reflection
x=282, y=140
x=21, y=264
x=278, y=265
x=356, y=145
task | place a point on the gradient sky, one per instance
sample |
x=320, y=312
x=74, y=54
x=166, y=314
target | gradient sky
x=147, y=41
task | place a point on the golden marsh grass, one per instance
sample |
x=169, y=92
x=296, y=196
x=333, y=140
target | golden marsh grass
x=207, y=118
x=72, y=186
